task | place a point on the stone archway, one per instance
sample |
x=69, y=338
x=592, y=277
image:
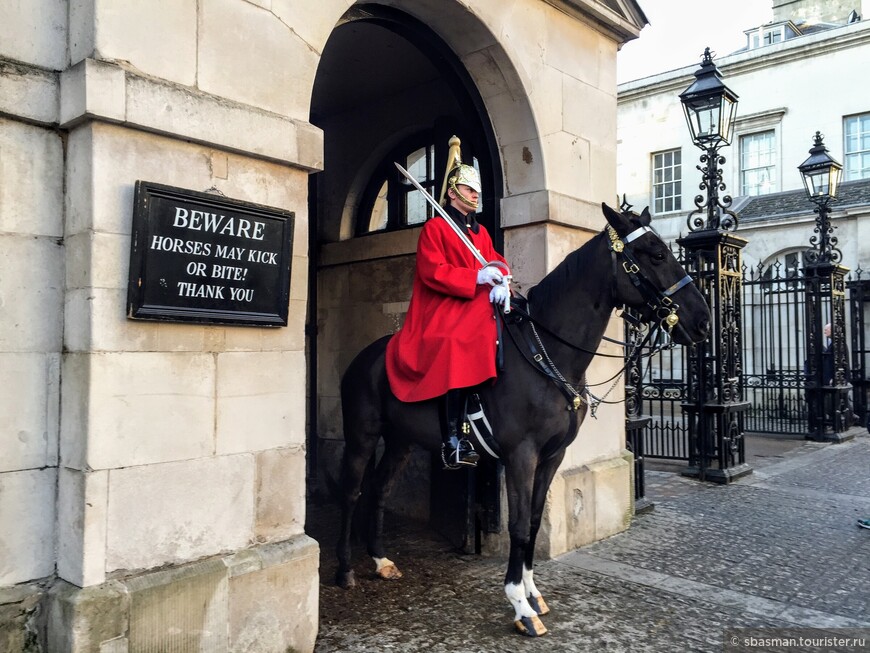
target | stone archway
x=545, y=78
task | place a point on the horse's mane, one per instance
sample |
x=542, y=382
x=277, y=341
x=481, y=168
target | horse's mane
x=578, y=265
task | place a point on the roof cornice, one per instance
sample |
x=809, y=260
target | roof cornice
x=749, y=61
x=624, y=24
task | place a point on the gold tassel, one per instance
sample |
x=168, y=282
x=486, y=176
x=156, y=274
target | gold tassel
x=454, y=158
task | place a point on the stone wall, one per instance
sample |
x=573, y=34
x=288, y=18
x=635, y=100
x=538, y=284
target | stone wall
x=152, y=476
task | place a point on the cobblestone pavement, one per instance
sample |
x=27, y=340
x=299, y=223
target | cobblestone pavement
x=778, y=548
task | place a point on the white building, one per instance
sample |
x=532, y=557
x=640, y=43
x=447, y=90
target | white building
x=798, y=74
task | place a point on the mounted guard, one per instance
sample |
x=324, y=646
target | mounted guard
x=532, y=409
x=448, y=341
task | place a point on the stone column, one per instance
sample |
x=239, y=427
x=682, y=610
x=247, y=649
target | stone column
x=181, y=488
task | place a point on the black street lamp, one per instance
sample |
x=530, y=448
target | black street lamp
x=710, y=107
x=714, y=402
x=827, y=385
x=821, y=175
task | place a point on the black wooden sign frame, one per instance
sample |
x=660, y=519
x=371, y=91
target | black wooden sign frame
x=203, y=257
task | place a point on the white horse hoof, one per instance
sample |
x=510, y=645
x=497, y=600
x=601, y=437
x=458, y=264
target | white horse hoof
x=530, y=626
x=389, y=572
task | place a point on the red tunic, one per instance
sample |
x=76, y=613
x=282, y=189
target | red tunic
x=448, y=339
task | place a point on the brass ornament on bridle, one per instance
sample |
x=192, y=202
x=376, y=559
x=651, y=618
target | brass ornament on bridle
x=616, y=243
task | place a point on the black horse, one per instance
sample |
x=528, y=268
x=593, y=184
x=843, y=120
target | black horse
x=534, y=417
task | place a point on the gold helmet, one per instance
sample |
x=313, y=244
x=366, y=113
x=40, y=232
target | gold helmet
x=459, y=173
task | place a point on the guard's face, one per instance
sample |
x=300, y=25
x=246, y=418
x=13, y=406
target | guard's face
x=468, y=193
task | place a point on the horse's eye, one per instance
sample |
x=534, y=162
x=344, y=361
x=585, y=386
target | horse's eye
x=659, y=255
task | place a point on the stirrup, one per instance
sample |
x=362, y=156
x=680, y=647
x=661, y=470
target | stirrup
x=460, y=455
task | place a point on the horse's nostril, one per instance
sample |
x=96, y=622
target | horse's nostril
x=705, y=327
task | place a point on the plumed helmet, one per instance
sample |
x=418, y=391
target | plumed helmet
x=464, y=174
x=459, y=173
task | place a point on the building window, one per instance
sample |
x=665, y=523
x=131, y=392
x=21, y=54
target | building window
x=769, y=35
x=772, y=36
x=856, y=131
x=758, y=163
x=786, y=267
x=388, y=203
x=667, y=181
x=414, y=207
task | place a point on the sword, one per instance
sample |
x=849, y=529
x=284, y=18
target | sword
x=441, y=212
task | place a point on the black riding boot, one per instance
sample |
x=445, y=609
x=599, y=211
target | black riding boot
x=456, y=450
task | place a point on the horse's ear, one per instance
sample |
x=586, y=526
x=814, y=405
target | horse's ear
x=645, y=217
x=616, y=220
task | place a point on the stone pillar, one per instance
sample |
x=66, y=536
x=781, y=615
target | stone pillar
x=181, y=484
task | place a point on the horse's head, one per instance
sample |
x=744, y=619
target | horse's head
x=650, y=280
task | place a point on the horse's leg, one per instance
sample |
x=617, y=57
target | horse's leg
x=357, y=454
x=543, y=478
x=519, y=478
x=395, y=456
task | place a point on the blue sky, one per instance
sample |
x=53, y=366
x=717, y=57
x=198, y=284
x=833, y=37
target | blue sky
x=679, y=30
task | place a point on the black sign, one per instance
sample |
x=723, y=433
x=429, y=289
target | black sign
x=199, y=257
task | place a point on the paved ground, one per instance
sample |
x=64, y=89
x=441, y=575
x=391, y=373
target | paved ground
x=777, y=549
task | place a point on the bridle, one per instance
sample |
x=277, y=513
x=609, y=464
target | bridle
x=658, y=302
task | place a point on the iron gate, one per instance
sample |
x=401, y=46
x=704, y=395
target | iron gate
x=662, y=391
x=774, y=362
x=859, y=321
x=774, y=349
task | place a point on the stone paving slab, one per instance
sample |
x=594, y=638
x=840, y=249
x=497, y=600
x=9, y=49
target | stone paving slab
x=778, y=548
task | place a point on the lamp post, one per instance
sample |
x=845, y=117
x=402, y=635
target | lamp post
x=714, y=402
x=827, y=385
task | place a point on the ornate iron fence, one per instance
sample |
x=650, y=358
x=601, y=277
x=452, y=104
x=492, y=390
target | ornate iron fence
x=774, y=349
x=774, y=362
x=858, y=289
x=662, y=390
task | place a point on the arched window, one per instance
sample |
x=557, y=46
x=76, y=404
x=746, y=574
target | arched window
x=389, y=202
x=785, y=265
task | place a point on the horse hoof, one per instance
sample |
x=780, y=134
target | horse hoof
x=389, y=572
x=539, y=605
x=345, y=579
x=530, y=627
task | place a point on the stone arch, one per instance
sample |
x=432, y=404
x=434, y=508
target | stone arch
x=501, y=87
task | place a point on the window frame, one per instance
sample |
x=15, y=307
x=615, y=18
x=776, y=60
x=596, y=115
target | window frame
x=865, y=172
x=751, y=124
x=398, y=191
x=742, y=169
x=675, y=197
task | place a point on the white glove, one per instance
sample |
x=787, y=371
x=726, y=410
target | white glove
x=499, y=295
x=489, y=275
